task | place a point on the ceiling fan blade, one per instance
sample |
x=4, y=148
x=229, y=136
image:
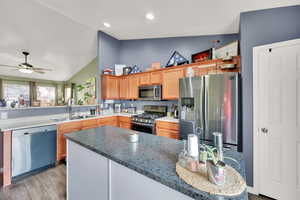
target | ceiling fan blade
x=44, y=69
x=10, y=66
x=38, y=71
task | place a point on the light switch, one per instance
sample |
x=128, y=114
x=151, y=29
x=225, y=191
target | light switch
x=4, y=115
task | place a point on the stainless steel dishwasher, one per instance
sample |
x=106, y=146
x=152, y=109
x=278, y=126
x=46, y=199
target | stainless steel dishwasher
x=33, y=149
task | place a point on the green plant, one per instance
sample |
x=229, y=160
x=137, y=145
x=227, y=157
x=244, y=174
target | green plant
x=212, y=154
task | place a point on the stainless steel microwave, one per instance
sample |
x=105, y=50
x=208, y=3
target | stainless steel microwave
x=150, y=93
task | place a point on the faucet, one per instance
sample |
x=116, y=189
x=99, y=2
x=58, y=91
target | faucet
x=69, y=108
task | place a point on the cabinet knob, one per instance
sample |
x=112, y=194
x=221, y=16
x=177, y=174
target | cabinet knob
x=264, y=130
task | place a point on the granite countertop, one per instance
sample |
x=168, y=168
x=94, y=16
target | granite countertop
x=29, y=122
x=153, y=156
x=168, y=119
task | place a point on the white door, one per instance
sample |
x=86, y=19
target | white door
x=278, y=115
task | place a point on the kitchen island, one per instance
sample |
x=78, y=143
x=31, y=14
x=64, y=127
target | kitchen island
x=103, y=164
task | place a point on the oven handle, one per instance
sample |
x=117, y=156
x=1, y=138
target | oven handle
x=141, y=124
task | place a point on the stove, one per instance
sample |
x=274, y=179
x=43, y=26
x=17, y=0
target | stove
x=145, y=122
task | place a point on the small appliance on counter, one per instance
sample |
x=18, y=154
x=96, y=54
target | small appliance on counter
x=131, y=110
x=117, y=108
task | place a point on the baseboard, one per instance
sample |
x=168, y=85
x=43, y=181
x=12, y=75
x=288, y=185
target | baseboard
x=252, y=190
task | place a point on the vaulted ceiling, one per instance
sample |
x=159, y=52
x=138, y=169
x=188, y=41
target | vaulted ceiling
x=61, y=34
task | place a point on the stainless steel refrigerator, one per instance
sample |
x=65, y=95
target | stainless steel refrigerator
x=211, y=103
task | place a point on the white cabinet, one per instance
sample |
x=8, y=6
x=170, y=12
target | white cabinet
x=93, y=177
x=87, y=174
x=127, y=184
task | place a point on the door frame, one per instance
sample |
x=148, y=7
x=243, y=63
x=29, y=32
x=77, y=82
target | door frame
x=256, y=107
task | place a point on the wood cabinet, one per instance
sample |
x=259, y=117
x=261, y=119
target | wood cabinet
x=156, y=78
x=70, y=127
x=110, y=87
x=62, y=129
x=89, y=123
x=108, y=121
x=171, y=83
x=124, y=87
x=145, y=78
x=124, y=122
x=134, y=82
x=167, y=129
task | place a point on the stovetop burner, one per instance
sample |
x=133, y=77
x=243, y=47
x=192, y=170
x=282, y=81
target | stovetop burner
x=150, y=114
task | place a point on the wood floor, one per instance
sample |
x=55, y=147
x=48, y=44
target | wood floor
x=48, y=185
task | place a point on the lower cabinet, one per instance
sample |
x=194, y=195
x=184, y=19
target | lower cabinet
x=93, y=176
x=124, y=122
x=87, y=174
x=70, y=127
x=167, y=129
x=62, y=129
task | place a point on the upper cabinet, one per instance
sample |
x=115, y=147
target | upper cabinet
x=124, y=87
x=156, y=78
x=134, y=82
x=171, y=83
x=127, y=87
x=145, y=78
x=110, y=87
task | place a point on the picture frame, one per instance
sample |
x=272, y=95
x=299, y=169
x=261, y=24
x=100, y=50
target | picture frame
x=176, y=59
x=202, y=56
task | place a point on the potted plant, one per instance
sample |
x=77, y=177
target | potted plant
x=215, y=167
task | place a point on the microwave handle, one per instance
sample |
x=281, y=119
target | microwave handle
x=154, y=93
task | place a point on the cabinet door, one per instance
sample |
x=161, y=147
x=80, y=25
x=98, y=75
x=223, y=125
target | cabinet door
x=89, y=123
x=124, y=88
x=124, y=122
x=134, y=81
x=125, y=125
x=171, y=83
x=167, y=129
x=156, y=78
x=144, y=79
x=110, y=87
x=107, y=121
x=62, y=129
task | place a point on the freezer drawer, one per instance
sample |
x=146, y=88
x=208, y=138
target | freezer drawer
x=33, y=149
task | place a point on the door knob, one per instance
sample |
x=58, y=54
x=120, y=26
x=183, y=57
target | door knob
x=264, y=130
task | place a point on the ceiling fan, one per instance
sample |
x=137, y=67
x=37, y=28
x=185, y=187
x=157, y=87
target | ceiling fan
x=26, y=67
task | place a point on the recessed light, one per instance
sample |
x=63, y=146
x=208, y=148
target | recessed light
x=106, y=24
x=150, y=16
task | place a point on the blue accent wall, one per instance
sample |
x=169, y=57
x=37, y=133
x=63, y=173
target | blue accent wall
x=259, y=28
x=143, y=52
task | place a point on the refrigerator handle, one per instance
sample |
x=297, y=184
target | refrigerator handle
x=201, y=113
x=206, y=83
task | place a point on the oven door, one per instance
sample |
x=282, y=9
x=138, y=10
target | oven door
x=146, y=128
x=150, y=92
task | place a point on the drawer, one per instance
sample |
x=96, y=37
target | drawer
x=167, y=133
x=124, y=119
x=108, y=121
x=167, y=125
x=125, y=125
x=69, y=127
x=90, y=123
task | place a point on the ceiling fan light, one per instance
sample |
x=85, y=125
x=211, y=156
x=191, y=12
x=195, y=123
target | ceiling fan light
x=25, y=71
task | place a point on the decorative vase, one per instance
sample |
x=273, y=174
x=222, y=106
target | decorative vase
x=216, y=173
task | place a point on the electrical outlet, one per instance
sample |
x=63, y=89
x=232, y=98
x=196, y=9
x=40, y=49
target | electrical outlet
x=3, y=115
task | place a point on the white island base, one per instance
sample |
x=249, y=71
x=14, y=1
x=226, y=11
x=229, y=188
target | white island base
x=91, y=176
